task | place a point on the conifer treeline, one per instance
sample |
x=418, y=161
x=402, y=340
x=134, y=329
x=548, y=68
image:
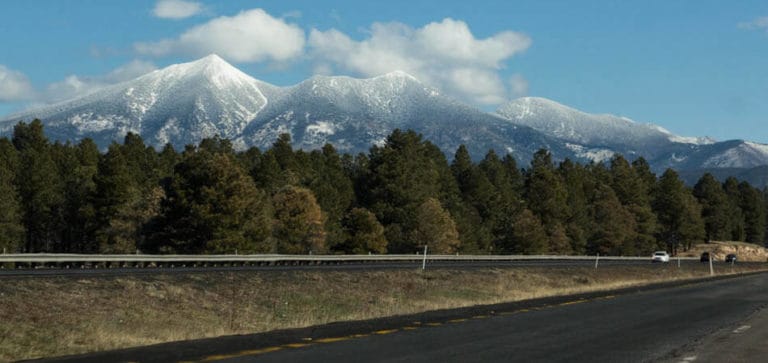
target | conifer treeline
x=210, y=199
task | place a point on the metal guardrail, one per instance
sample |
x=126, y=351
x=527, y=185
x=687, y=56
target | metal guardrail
x=56, y=258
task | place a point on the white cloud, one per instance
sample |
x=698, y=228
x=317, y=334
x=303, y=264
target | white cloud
x=518, y=85
x=250, y=36
x=14, y=86
x=176, y=9
x=74, y=85
x=757, y=23
x=443, y=54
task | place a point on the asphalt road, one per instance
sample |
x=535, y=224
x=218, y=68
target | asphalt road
x=629, y=328
x=633, y=325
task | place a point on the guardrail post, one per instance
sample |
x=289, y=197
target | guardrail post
x=678, y=261
x=597, y=259
x=424, y=261
x=711, y=270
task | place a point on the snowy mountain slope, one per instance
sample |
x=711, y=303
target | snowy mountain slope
x=354, y=114
x=184, y=103
x=597, y=137
x=178, y=104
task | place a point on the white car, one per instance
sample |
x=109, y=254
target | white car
x=660, y=256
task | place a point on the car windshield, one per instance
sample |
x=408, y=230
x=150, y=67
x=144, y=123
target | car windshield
x=660, y=253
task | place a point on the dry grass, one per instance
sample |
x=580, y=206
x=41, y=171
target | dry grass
x=54, y=316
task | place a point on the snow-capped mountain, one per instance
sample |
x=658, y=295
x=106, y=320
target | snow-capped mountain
x=579, y=127
x=355, y=114
x=184, y=103
x=598, y=137
x=179, y=104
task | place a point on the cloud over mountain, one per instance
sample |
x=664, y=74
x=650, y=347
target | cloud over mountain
x=250, y=36
x=176, y=9
x=443, y=54
x=14, y=85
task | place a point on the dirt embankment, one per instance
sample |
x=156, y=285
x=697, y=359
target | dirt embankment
x=745, y=252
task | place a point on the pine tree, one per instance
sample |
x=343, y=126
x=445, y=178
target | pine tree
x=12, y=234
x=577, y=223
x=733, y=210
x=645, y=175
x=212, y=206
x=298, y=226
x=527, y=236
x=435, y=228
x=402, y=175
x=613, y=228
x=669, y=206
x=712, y=198
x=364, y=233
x=334, y=192
x=78, y=166
x=545, y=192
x=116, y=201
x=633, y=194
x=692, y=229
x=753, y=209
x=479, y=200
x=41, y=191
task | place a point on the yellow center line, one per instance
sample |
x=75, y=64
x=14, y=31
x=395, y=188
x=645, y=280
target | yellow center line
x=382, y=332
x=213, y=358
x=410, y=328
x=573, y=302
x=296, y=345
x=480, y=317
x=332, y=339
x=457, y=320
x=434, y=324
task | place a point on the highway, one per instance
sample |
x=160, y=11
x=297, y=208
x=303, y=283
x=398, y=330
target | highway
x=661, y=323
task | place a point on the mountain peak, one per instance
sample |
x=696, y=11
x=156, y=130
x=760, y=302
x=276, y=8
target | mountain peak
x=212, y=68
x=211, y=58
x=399, y=74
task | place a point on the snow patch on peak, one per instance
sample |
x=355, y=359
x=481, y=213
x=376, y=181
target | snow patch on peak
x=684, y=139
x=398, y=75
x=594, y=154
x=578, y=127
x=761, y=148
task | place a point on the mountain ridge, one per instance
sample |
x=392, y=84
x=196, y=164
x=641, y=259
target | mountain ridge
x=184, y=103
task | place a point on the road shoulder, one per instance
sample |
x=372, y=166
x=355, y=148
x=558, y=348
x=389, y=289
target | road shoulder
x=743, y=342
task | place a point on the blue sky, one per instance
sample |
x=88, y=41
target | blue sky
x=695, y=67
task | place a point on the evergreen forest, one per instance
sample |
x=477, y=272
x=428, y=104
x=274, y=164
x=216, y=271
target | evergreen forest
x=211, y=199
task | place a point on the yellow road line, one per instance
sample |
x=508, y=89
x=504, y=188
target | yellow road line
x=331, y=340
x=296, y=345
x=457, y=320
x=213, y=358
x=383, y=332
x=573, y=302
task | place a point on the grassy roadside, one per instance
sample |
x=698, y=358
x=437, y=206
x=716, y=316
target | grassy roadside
x=51, y=316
